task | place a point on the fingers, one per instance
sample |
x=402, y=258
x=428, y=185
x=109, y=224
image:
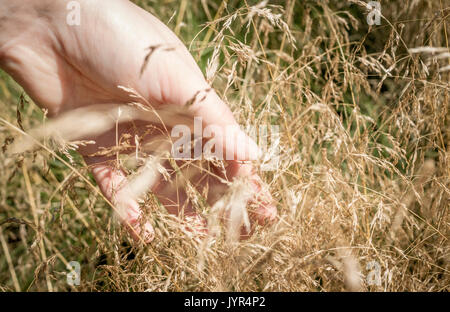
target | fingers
x=220, y=129
x=115, y=187
x=261, y=207
x=238, y=149
x=123, y=192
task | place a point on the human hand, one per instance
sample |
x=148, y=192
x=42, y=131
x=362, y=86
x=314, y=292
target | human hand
x=64, y=68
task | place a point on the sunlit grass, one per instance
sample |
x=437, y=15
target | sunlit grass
x=364, y=165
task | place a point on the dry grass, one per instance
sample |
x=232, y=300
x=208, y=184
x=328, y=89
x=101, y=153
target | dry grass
x=363, y=174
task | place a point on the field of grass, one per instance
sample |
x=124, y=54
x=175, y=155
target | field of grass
x=362, y=185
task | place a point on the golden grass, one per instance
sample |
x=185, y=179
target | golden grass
x=363, y=175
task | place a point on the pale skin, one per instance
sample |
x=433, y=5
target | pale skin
x=63, y=67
